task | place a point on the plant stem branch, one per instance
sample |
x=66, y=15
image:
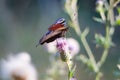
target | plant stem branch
x=98, y=76
x=72, y=10
x=89, y=52
x=109, y=23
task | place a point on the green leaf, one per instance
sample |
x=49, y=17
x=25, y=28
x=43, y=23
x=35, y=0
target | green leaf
x=71, y=73
x=118, y=9
x=117, y=22
x=98, y=19
x=99, y=40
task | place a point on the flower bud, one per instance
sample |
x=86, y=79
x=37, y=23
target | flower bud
x=63, y=56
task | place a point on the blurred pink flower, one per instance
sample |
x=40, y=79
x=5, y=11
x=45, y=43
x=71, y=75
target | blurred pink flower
x=73, y=46
x=63, y=44
x=18, y=67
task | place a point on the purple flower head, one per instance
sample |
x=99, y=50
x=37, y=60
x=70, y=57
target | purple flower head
x=64, y=45
x=61, y=44
x=63, y=49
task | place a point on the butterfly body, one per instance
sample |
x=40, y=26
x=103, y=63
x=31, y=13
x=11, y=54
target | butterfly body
x=55, y=31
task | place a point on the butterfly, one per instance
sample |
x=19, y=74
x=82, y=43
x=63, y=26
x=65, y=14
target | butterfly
x=56, y=30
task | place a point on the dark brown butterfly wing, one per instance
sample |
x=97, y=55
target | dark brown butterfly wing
x=52, y=35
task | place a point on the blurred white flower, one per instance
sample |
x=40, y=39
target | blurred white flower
x=73, y=46
x=70, y=43
x=18, y=67
x=118, y=66
x=100, y=2
x=56, y=70
x=51, y=47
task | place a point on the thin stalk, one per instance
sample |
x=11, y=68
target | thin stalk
x=69, y=65
x=89, y=52
x=106, y=46
x=73, y=13
x=105, y=52
x=116, y=3
x=109, y=22
x=82, y=37
x=111, y=13
x=103, y=58
x=98, y=76
x=103, y=16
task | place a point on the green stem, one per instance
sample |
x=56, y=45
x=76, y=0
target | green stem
x=73, y=13
x=89, y=52
x=109, y=22
x=103, y=58
x=116, y=3
x=111, y=13
x=103, y=16
x=106, y=45
x=98, y=76
x=84, y=41
x=70, y=68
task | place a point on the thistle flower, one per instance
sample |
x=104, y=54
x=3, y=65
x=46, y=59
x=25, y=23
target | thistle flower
x=18, y=67
x=63, y=44
x=63, y=49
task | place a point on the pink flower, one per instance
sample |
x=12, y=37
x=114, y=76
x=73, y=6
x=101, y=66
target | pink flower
x=61, y=44
x=64, y=44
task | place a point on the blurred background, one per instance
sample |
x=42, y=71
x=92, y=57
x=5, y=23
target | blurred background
x=23, y=22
